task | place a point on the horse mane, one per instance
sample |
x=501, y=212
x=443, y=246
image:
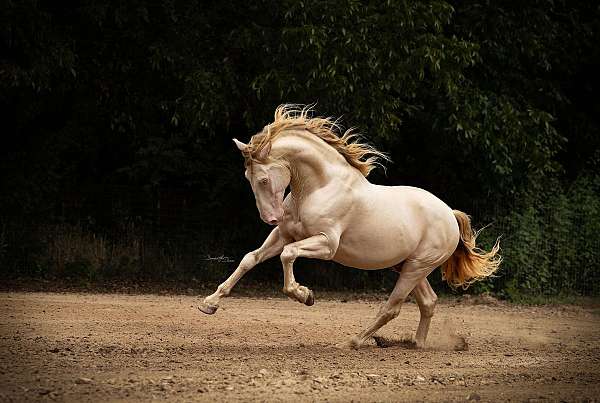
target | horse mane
x=361, y=156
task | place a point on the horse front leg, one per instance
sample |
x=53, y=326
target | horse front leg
x=272, y=246
x=320, y=246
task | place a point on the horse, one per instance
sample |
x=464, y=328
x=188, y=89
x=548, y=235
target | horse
x=332, y=212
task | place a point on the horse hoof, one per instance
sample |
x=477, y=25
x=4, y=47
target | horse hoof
x=310, y=301
x=207, y=309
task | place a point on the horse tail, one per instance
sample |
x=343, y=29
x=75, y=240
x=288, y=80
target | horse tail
x=468, y=263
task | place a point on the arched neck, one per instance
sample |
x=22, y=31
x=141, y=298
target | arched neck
x=312, y=162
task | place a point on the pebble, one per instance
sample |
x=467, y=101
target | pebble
x=83, y=380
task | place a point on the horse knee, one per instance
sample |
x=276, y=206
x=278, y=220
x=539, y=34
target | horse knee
x=289, y=254
x=248, y=261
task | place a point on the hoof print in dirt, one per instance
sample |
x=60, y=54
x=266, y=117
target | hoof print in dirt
x=384, y=342
x=459, y=343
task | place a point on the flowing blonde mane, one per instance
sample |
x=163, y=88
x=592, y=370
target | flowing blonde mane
x=290, y=116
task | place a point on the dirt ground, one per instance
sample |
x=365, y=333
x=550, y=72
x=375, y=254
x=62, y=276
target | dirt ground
x=93, y=347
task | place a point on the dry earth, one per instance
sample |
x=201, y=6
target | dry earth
x=90, y=347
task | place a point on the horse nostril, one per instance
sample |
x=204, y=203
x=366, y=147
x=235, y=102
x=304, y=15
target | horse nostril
x=273, y=222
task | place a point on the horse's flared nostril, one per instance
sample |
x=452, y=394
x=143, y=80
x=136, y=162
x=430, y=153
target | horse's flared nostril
x=273, y=222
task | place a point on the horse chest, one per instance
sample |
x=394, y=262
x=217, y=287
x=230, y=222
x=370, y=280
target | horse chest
x=293, y=229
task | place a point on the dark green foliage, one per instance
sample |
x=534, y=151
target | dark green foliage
x=121, y=114
x=552, y=242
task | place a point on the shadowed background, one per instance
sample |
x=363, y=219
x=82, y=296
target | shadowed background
x=117, y=162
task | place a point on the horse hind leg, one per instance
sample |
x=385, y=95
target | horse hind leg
x=411, y=274
x=426, y=300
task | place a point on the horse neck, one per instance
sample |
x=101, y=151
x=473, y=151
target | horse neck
x=313, y=163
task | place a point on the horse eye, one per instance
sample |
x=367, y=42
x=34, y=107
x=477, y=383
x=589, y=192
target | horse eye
x=264, y=181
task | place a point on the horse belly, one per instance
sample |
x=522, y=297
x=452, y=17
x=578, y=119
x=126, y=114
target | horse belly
x=377, y=248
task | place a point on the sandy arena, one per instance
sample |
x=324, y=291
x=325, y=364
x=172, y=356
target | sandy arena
x=86, y=347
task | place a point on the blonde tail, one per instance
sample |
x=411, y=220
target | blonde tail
x=468, y=263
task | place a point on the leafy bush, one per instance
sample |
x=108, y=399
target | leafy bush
x=550, y=243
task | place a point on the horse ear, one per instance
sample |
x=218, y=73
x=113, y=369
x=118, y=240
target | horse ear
x=241, y=146
x=264, y=152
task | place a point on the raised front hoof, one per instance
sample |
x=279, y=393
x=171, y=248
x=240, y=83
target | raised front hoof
x=310, y=301
x=207, y=309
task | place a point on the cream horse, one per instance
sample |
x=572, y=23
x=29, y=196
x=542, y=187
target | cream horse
x=334, y=213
